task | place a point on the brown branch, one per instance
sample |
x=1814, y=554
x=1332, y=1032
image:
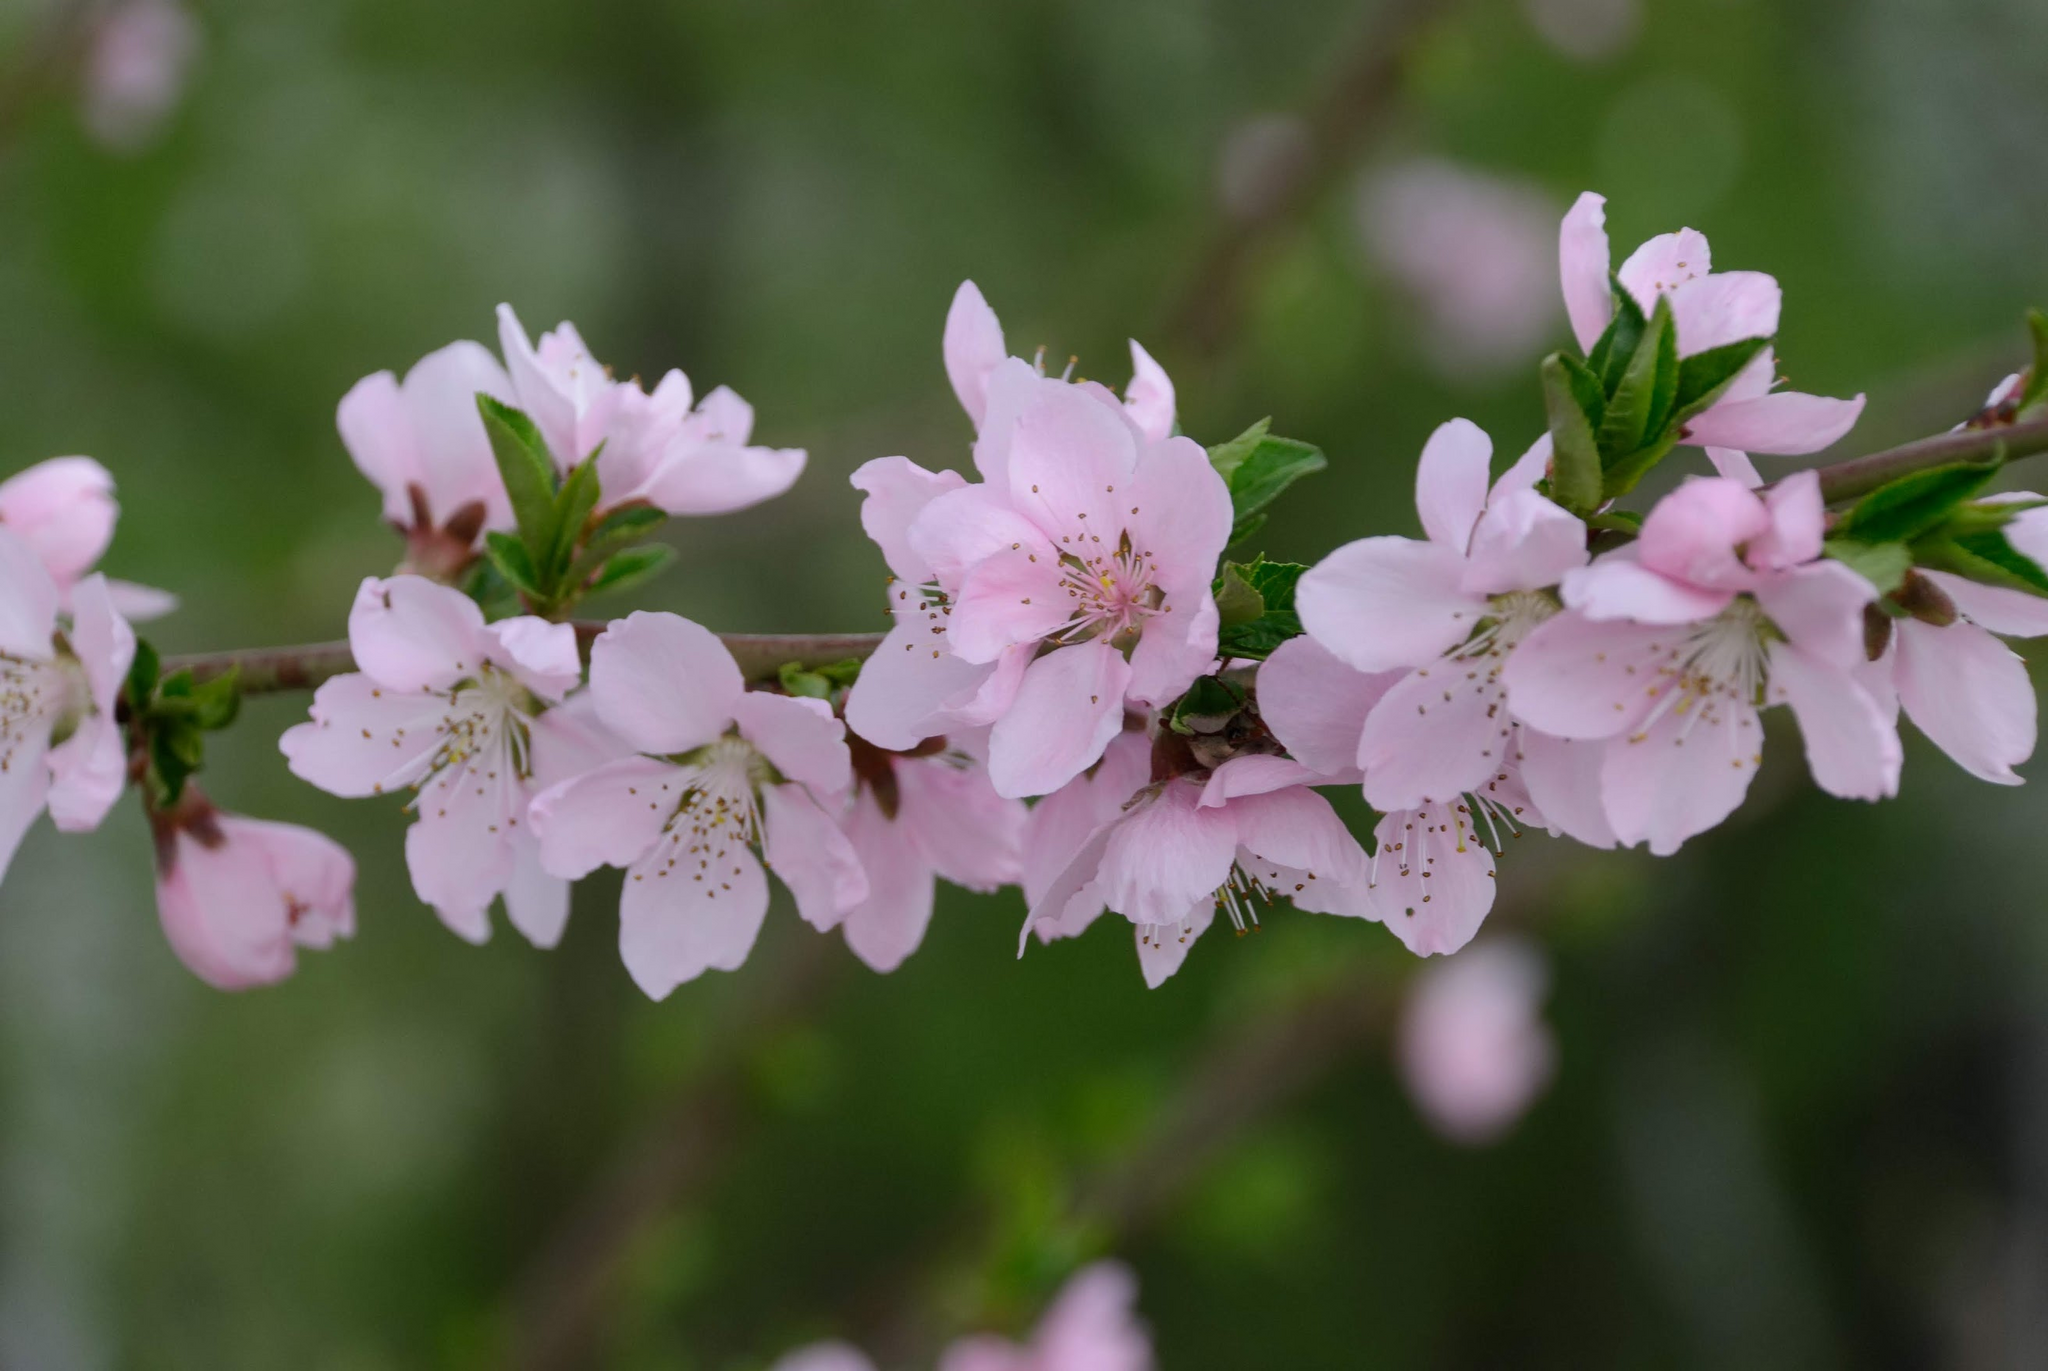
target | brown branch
x=1339, y=126
x=266, y=670
x=1861, y=475
x=46, y=62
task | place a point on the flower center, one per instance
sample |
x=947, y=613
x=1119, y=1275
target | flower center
x=483, y=735
x=1428, y=832
x=1721, y=664
x=1113, y=593
x=717, y=815
x=40, y=704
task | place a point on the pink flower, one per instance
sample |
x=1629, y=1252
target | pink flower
x=1061, y=824
x=60, y=746
x=678, y=456
x=1710, y=309
x=238, y=896
x=422, y=443
x=136, y=69
x=724, y=773
x=1432, y=876
x=1473, y=1048
x=471, y=716
x=1090, y=1327
x=1671, y=645
x=914, y=817
x=64, y=510
x=1452, y=607
x=994, y=387
x=1074, y=579
x=1246, y=833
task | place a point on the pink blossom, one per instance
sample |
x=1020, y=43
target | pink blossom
x=1241, y=835
x=1671, y=645
x=1061, y=824
x=136, y=69
x=422, y=443
x=1073, y=579
x=238, y=896
x=665, y=449
x=1473, y=1047
x=475, y=719
x=1709, y=309
x=994, y=387
x=1432, y=876
x=725, y=779
x=60, y=745
x=1452, y=607
x=1090, y=1327
x=64, y=510
x=917, y=816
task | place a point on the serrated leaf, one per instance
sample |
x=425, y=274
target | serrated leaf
x=509, y=557
x=143, y=671
x=1269, y=468
x=1575, y=478
x=2035, y=391
x=1704, y=377
x=1236, y=601
x=633, y=566
x=1206, y=707
x=1884, y=565
x=574, y=504
x=1633, y=398
x=1256, y=636
x=527, y=470
x=1916, y=503
x=1228, y=457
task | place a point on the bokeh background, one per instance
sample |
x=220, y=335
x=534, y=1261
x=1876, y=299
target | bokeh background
x=1800, y=1112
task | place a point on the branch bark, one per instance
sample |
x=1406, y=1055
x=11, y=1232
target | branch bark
x=1860, y=475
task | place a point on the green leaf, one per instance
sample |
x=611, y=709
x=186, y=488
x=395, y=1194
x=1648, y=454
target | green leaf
x=1575, y=479
x=1236, y=601
x=1633, y=400
x=1884, y=565
x=1705, y=376
x=1254, y=637
x=142, y=674
x=1610, y=356
x=1243, y=529
x=1623, y=475
x=2035, y=391
x=1985, y=557
x=1616, y=521
x=1269, y=468
x=1916, y=503
x=508, y=555
x=631, y=567
x=1228, y=457
x=528, y=473
x=176, y=749
x=809, y=684
x=218, y=700
x=574, y=504
x=618, y=530
x=1207, y=706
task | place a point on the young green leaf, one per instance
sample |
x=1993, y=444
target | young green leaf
x=1610, y=356
x=574, y=504
x=1269, y=468
x=1916, y=503
x=2035, y=391
x=1206, y=707
x=508, y=555
x=217, y=700
x=811, y=685
x=1985, y=557
x=1228, y=457
x=633, y=566
x=1633, y=399
x=528, y=473
x=1575, y=479
x=1273, y=583
x=1236, y=601
x=1884, y=565
x=1704, y=377
x=143, y=671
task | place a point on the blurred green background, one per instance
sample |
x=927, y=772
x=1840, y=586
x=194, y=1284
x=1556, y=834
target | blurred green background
x=1801, y=1112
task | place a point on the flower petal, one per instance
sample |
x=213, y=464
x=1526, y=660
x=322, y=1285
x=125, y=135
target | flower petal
x=1380, y=603
x=535, y=902
x=1436, y=734
x=2014, y=613
x=1563, y=777
x=1163, y=947
x=608, y=817
x=1007, y=599
x=1786, y=423
x=1682, y=775
x=88, y=772
x=1583, y=264
x=1819, y=607
x=1575, y=677
x=957, y=530
x=1071, y=703
x=700, y=478
x=408, y=633
x=1178, y=515
x=973, y=347
x=455, y=464
x=460, y=850
x=1166, y=857
x=1177, y=645
x=63, y=508
x=363, y=739
x=898, y=490
x=905, y=688
x=1523, y=542
x=1969, y=694
x=1618, y=588
x=1450, y=482
x=101, y=640
x=673, y=929
x=1726, y=307
x=973, y=836
x=1851, y=748
x=1432, y=879
x=887, y=926
x=1067, y=459
x=1798, y=524
x=28, y=601
x=806, y=744
x=542, y=655
x=663, y=683
x=1148, y=399
x=1316, y=705
x=1663, y=264
x=1297, y=829
x=1254, y=773
x=1529, y=468
x=1735, y=466
x=1692, y=534
x=806, y=849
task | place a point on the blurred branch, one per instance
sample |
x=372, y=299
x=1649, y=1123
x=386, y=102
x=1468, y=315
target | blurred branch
x=558, y=1303
x=46, y=61
x=1339, y=126
x=266, y=670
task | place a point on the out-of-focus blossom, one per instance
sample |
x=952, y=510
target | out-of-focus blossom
x=64, y=510
x=1477, y=254
x=1669, y=646
x=1709, y=310
x=914, y=817
x=1261, y=162
x=422, y=443
x=140, y=57
x=664, y=448
x=1452, y=607
x=724, y=773
x=1074, y=579
x=1473, y=1047
x=60, y=746
x=470, y=716
x=239, y=896
x=1090, y=1327
x=1585, y=30
x=1247, y=833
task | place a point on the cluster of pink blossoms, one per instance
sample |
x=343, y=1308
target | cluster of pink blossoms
x=1080, y=695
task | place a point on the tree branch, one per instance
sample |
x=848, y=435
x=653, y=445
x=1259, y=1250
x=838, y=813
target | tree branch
x=1861, y=475
x=268, y=670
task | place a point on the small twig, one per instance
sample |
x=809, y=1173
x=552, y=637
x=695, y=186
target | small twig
x=1861, y=475
x=267, y=670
